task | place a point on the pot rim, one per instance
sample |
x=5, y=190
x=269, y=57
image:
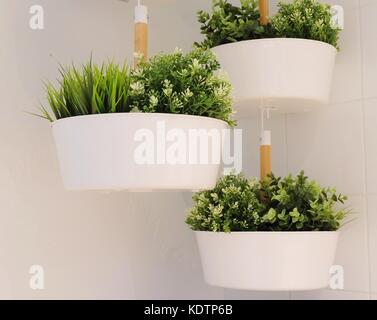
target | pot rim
x=325, y=44
x=134, y=114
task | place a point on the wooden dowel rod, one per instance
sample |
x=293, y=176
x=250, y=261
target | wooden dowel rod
x=265, y=147
x=141, y=33
x=265, y=154
x=265, y=159
x=141, y=41
x=264, y=11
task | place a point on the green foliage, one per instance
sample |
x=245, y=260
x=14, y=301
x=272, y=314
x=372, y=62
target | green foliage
x=273, y=204
x=230, y=23
x=233, y=205
x=182, y=84
x=89, y=90
x=168, y=83
x=306, y=19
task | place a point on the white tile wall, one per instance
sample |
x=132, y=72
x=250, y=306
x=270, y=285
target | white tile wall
x=372, y=231
x=347, y=83
x=370, y=107
x=330, y=295
x=352, y=253
x=328, y=144
x=369, y=48
x=365, y=2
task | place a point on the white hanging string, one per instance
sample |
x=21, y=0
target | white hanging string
x=262, y=109
x=265, y=112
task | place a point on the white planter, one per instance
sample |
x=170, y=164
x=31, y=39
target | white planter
x=97, y=152
x=270, y=261
x=291, y=75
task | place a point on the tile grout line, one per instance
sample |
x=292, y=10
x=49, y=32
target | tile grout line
x=286, y=162
x=363, y=112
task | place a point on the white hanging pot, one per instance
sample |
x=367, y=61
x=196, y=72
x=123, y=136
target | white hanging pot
x=138, y=151
x=269, y=261
x=291, y=75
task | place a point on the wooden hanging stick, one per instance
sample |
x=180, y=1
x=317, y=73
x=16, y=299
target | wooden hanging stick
x=265, y=154
x=265, y=145
x=141, y=33
x=264, y=12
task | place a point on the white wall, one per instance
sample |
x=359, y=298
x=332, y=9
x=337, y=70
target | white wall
x=127, y=245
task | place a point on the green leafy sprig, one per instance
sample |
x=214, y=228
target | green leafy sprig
x=88, y=90
x=229, y=23
x=182, y=84
x=305, y=19
x=273, y=204
x=177, y=83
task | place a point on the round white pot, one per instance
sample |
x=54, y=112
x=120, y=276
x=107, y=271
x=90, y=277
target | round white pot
x=270, y=261
x=291, y=75
x=136, y=151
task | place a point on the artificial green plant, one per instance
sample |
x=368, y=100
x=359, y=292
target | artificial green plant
x=272, y=204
